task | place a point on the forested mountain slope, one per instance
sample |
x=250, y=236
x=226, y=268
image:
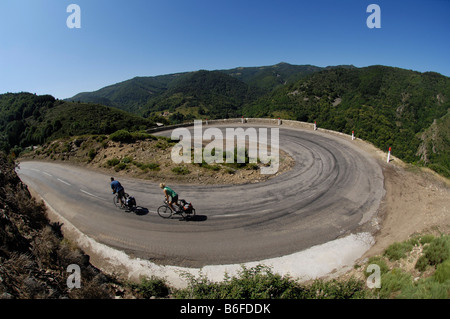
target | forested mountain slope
x=387, y=106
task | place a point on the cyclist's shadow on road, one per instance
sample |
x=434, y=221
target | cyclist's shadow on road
x=189, y=218
x=140, y=211
x=195, y=218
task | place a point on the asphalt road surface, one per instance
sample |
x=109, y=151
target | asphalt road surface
x=333, y=190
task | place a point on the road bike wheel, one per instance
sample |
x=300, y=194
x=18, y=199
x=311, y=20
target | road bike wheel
x=165, y=211
x=116, y=201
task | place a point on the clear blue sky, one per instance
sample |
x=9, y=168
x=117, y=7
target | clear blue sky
x=119, y=40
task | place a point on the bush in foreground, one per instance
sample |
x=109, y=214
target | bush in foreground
x=261, y=283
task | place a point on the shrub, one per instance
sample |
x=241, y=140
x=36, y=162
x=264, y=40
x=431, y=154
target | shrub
x=151, y=287
x=261, y=283
x=113, y=162
x=44, y=247
x=121, y=136
x=92, y=153
x=435, y=253
x=426, y=289
x=257, y=283
x=208, y=166
x=421, y=263
x=442, y=273
x=78, y=142
x=394, y=281
x=121, y=166
x=398, y=251
x=96, y=288
x=101, y=138
x=250, y=283
x=149, y=166
x=180, y=170
x=66, y=148
x=137, y=136
x=162, y=145
x=438, y=250
x=126, y=160
x=334, y=289
x=152, y=166
x=214, y=167
x=426, y=239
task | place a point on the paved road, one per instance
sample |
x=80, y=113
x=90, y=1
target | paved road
x=332, y=190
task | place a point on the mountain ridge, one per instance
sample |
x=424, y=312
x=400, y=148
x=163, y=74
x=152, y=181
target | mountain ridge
x=138, y=93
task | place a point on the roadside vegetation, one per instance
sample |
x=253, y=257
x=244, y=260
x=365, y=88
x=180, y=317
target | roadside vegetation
x=34, y=255
x=418, y=268
x=146, y=156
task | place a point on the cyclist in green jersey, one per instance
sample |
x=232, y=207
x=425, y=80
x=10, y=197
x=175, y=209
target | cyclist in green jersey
x=168, y=192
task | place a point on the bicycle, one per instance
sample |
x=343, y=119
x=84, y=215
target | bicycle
x=129, y=203
x=185, y=209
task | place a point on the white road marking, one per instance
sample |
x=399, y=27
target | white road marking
x=64, y=182
x=47, y=174
x=87, y=193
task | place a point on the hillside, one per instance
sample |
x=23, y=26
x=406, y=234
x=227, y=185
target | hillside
x=198, y=91
x=210, y=94
x=434, y=149
x=27, y=119
x=144, y=95
x=387, y=106
x=33, y=253
x=270, y=77
x=129, y=95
